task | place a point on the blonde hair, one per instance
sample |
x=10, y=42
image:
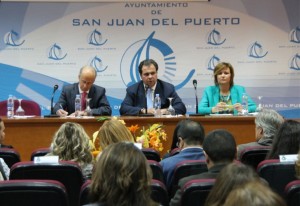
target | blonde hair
x=219, y=67
x=71, y=143
x=254, y=193
x=113, y=131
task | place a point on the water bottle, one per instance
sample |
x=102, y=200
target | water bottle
x=157, y=105
x=77, y=105
x=10, y=106
x=245, y=104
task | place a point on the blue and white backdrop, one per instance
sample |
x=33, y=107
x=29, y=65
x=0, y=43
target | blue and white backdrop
x=43, y=44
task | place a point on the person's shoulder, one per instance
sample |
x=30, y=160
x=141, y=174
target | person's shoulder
x=211, y=88
x=69, y=86
x=165, y=85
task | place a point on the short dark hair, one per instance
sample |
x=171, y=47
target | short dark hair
x=191, y=132
x=147, y=62
x=220, y=146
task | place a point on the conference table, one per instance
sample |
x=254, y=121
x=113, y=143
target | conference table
x=28, y=134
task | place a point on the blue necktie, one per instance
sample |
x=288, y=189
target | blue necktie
x=149, y=98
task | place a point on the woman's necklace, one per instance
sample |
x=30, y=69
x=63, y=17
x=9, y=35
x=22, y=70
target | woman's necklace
x=225, y=98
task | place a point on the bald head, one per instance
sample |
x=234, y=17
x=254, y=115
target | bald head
x=87, y=76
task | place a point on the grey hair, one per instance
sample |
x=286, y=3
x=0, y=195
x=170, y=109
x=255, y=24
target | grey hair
x=269, y=120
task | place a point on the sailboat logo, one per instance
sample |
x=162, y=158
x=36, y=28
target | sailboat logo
x=145, y=49
x=295, y=35
x=95, y=38
x=11, y=39
x=55, y=53
x=295, y=62
x=256, y=51
x=213, y=61
x=214, y=38
x=97, y=64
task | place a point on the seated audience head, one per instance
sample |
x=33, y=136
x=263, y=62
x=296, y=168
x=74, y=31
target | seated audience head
x=71, y=143
x=2, y=128
x=113, y=131
x=267, y=123
x=175, y=134
x=190, y=133
x=254, y=194
x=219, y=147
x=120, y=179
x=286, y=140
x=297, y=166
x=228, y=179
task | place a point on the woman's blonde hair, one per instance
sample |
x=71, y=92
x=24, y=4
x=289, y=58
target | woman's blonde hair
x=113, y=131
x=71, y=143
x=221, y=66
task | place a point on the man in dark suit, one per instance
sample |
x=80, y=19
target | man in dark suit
x=190, y=139
x=98, y=101
x=135, y=99
x=220, y=149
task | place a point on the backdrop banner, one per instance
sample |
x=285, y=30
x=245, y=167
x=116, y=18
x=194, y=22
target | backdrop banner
x=46, y=43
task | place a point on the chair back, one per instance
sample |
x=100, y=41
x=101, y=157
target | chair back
x=157, y=171
x=39, y=152
x=67, y=172
x=277, y=174
x=253, y=155
x=30, y=107
x=159, y=192
x=10, y=156
x=292, y=193
x=186, y=168
x=33, y=193
x=196, y=191
x=84, y=193
x=151, y=154
x=175, y=151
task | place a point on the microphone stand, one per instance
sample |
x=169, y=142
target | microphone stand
x=52, y=97
x=196, y=114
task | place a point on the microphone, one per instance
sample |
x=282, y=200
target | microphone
x=195, y=87
x=51, y=110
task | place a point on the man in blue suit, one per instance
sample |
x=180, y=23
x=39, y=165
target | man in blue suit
x=135, y=99
x=98, y=102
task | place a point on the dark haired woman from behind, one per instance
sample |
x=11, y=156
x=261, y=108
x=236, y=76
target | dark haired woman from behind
x=121, y=179
x=286, y=140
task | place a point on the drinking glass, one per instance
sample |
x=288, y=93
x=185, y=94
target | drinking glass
x=20, y=111
x=88, y=108
x=259, y=108
x=171, y=110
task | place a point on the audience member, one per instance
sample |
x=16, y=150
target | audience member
x=297, y=166
x=228, y=179
x=121, y=179
x=87, y=89
x=220, y=149
x=254, y=194
x=224, y=97
x=190, y=137
x=71, y=143
x=113, y=131
x=267, y=124
x=4, y=169
x=175, y=139
x=135, y=99
x=286, y=141
x=2, y=135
